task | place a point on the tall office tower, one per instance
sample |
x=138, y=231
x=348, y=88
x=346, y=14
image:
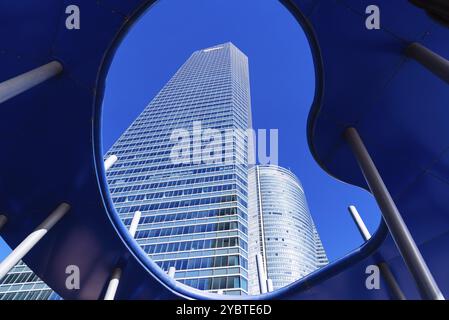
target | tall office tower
x=194, y=215
x=281, y=230
x=193, y=196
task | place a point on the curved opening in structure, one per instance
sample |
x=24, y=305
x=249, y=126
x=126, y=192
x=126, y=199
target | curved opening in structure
x=194, y=88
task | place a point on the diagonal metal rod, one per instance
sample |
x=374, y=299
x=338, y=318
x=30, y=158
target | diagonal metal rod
x=383, y=266
x=407, y=247
x=111, y=290
x=366, y=235
x=432, y=61
x=3, y=220
x=32, y=239
x=21, y=83
x=109, y=162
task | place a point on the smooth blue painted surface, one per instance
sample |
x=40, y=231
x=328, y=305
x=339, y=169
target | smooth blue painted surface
x=363, y=80
x=399, y=109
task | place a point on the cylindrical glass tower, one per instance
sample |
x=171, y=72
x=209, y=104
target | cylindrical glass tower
x=281, y=229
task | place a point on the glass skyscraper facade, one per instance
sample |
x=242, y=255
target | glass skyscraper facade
x=281, y=229
x=183, y=163
x=22, y=284
x=194, y=211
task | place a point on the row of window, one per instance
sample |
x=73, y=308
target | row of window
x=23, y=277
x=195, y=245
x=196, y=151
x=182, y=204
x=165, y=184
x=224, y=120
x=200, y=228
x=30, y=295
x=192, y=172
x=149, y=169
x=203, y=263
x=136, y=135
x=217, y=283
x=189, y=215
x=178, y=193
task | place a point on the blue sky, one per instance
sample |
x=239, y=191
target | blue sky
x=282, y=89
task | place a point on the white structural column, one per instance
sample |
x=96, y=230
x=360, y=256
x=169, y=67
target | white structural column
x=109, y=162
x=270, y=285
x=366, y=235
x=32, y=239
x=117, y=273
x=113, y=284
x=261, y=274
x=134, y=223
x=3, y=220
x=15, y=86
x=424, y=280
x=171, y=272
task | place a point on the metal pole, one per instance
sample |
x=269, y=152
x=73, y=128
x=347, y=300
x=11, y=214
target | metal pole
x=3, y=220
x=32, y=239
x=430, y=60
x=383, y=267
x=406, y=245
x=269, y=285
x=391, y=281
x=359, y=223
x=134, y=223
x=109, y=162
x=15, y=86
x=113, y=284
x=171, y=272
x=261, y=274
x=117, y=273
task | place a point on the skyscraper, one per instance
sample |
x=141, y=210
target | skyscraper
x=183, y=163
x=22, y=284
x=193, y=198
x=281, y=229
x=194, y=213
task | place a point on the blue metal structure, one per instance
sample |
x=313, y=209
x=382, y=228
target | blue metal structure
x=51, y=136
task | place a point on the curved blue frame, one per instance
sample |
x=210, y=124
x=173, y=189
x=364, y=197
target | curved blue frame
x=321, y=275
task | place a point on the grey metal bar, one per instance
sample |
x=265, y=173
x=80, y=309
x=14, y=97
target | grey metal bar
x=3, y=220
x=15, y=86
x=430, y=60
x=32, y=239
x=270, y=285
x=383, y=266
x=391, y=281
x=262, y=278
x=401, y=235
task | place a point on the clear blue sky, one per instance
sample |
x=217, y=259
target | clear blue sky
x=282, y=88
